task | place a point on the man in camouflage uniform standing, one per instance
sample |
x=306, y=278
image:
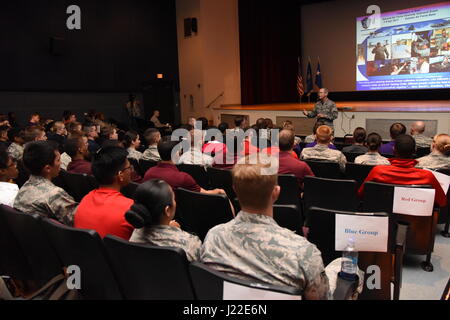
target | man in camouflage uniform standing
x=417, y=130
x=254, y=247
x=324, y=110
x=39, y=194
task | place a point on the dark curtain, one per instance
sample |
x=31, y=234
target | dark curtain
x=269, y=48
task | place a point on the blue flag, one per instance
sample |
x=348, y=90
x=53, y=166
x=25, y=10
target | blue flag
x=309, y=80
x=318, y=76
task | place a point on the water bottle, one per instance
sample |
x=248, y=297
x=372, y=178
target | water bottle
x=349, y=267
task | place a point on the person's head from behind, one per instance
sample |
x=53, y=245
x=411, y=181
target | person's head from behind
x=239, y=122
x=165, y=147
x=261, y=123
x=396, y=130
x=77, y=147
x=286, y=140
x=111, y=166
x=417, y=127
x=324, y=135
x=90, y=130
x=42, y=158
x=359, y=135
x=223, y=127
x=35, y=133
x=8, y=167
x=154, y=204
x=152, y=136
x=255, y=189
x=268, y=123
x=131, y=140
x=317, y=125
x=441, y=144
x=405, y=147
x=373, y=142
x=16, y=135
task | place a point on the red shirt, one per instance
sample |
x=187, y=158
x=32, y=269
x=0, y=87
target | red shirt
x=275, y=150
x=290, y=165
x=402, y=171
x=174, y=177
x=103, y=210
x=80, y=167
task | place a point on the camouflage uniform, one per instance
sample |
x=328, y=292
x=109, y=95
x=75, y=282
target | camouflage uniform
x=422, y=141
x=434, y=161
x=40, y=195
x=167, y=236
x=151, y=154
x=255, y=247
x=15, y=151
x=134, y=154
x=310, y=139
x=321, y=152
x=328, y=108
x=372, y=159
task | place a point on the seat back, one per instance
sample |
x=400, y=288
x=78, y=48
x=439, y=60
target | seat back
x=140, y=267
x=357, y=172
x=197, y=172
x=199, y=212
x=290, y=192
x=329, y=194
x=136, y=166
x=351, y=156
x=213, y=285
x=42, y=258
x=422, y=152
x=221, y=178
x=325, y=169
x=76, y=185
x=129, y=190
x=444, y=214
x=289, y=217
x=144, y=165
x=85, y=249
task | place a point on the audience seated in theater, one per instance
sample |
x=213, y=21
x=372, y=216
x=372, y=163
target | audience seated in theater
x=58, y=133
x=74, y=128
x=35, y=120
x=372, y=157
x=167, y=171
x=359, y=136
x=396, y=130
x=321, y=151
x=103, y=209
x=402, y=170
x=77, y=149
x=16, y=137
x=4, y=142
x=8, y=172
x=90, y=130
x=440, y=154
x=314, y=142
x=274, y=150
x=68, y=117
x=39, y=194
x=417, y=130
x=35, y=133
x=289, y=164
x=107, y=132
x=195, y=155
x=312, y=138
x=152, y=215
x=132, y=143
x=253, y=247
x=152, y=137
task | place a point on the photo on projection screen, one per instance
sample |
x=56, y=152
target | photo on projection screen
x=405, y=49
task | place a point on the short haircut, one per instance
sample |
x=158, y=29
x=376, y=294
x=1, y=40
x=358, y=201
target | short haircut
x=238, y=121
x=324, y=134
x=107, y=163
x=405, y=146
x=317, y=125
x=13, y=133
x=223, y=126
x=261, y=123
x=87, y=127
x=286, y=140
x=38, y=154
x=150, y=200
x=106, y=131
x=128, y=138
x=71, y=126
x=252, y=187
x=359, y=135
x=150, y=135
x=397, y=129
x=73, y=145
x=442, y=143
x=165, y=147
x=374, y=141
x=31, y=133
x=4, y=158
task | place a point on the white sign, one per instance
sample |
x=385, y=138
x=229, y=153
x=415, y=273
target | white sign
x=413, y=201
x=233, y=291
x=443, y=179
x=370, y=232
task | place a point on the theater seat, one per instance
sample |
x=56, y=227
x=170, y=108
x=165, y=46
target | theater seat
x=325, y=169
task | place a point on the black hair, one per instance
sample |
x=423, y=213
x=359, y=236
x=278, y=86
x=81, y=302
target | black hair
x=4, y=158
x=14, y=133
x=359, y=135
x=223, y=127
x=108, y=161
x=405, y=146
x=38, y=154
x=165, y=147
x=397, y=129
x=238, y=121
x=150, y=200
x=72, y=145
x=129, y=138
x=4, y=128
x=374, y=141
x=317, y=125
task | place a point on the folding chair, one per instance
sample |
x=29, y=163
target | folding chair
x=141, y=268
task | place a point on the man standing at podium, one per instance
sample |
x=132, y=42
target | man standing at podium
x=325, y=110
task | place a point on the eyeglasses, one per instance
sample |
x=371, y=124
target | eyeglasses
x=125, y=169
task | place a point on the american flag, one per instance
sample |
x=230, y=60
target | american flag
x=300, y=87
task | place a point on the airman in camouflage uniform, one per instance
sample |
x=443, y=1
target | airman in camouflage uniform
x=435, y=160
x=322, y=152
x=372, y=159
x=422, y=141
x=255, y=247
x=168, y=236
x=134, y=154
x=151, y=154
x=15, y=151
x=325, y=110
x=40, y=195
